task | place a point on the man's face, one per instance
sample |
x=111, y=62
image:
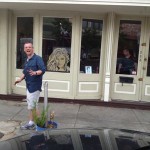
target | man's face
x=28, y=49
x=125, y=52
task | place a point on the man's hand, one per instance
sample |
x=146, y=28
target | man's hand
x=32, y=73
x=17, y=81
x=20, y=79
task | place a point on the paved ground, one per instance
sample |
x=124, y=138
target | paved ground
x=13, y=114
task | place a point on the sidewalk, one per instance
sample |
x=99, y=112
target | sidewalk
x=13, y=114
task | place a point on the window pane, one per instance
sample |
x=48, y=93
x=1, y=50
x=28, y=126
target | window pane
x=90, y=45
x=127, y=144
x=60, y=142
x=90, y=142
x=148, y=65
x=56, y=48
x=24, y=34
x=128, y=47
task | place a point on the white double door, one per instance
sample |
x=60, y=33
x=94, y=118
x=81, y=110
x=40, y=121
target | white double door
x=132, y=34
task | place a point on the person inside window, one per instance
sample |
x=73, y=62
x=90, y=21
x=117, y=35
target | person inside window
x=127, y=64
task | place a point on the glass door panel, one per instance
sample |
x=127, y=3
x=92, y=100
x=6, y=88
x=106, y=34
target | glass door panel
x=90, y=45
x=128, y=47
x=128, y=59
x=148, y=64
x=56, y=46
x=24, y=34
x=146, y=69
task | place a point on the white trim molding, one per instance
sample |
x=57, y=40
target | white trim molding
x=145, y=3
x=146, y=90
x=108, y=54
x=88, y=83
x=58, y=90
x=125, y=92
x=50, y=89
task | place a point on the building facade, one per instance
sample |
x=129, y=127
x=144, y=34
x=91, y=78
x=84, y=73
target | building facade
x=92, y=50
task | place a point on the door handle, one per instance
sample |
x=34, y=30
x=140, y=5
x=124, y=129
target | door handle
x=143, y=44
x=144, y=68
x=140, y=79
x=145, y=59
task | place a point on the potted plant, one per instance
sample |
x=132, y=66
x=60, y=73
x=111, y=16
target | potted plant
x=40, y=119
x=51, y=123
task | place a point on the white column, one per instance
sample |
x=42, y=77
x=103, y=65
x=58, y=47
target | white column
x=4, y=51
x=108, y=54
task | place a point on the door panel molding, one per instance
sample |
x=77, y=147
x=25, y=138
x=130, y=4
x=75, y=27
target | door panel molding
x=147, y=90
x=125, y=88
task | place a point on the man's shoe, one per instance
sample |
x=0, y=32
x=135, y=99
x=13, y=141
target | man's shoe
x=28, y=127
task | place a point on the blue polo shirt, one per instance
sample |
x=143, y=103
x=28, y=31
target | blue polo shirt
x=34, y=83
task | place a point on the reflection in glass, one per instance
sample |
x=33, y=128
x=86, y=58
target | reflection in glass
x=90, y=142
x=56, y=46
x=148, y=65
x=127, y=144
x=91, y=44
x=24, y=34
x=60, y=142
x=128, y=47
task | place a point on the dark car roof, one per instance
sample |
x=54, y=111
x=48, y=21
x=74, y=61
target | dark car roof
x=79, y=139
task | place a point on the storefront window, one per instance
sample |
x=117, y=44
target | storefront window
x=90, y=46
x=128, y=47
x=56, y=47
x=24, y=34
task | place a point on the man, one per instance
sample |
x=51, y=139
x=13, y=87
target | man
x=33, y=71
x=127, y=65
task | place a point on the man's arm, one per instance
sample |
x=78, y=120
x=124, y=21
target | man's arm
x=119, y=67
x=20, y=79
x=41, y=66
x=135, y=66
x=38, y=72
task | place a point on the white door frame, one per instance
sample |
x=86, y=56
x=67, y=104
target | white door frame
x=127, y=91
